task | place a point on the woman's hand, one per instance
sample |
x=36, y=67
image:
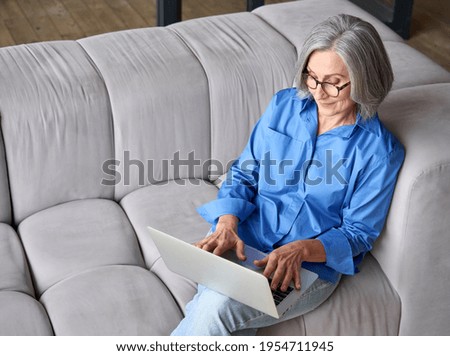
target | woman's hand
x=224, y=238
x=283, y=264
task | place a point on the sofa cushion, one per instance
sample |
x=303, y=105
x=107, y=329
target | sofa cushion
x=169, y=207
x=5, y=200
x=14, y=273
x=69, y=238
x=364, y=304
x=22, y=315
x=295, y=19
x=182, y=289
x=246, y=62
x=112, y=300
x=160, y=105
x=56, y=125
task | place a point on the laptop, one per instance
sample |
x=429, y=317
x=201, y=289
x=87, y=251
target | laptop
x=239, y=280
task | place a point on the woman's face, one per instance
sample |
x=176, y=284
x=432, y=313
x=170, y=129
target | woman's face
x=327, y=66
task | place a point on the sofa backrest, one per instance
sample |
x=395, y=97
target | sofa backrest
x=160, y=105
x=56, y=125
x=246, y=63
x=5, y=201
x=295, y=21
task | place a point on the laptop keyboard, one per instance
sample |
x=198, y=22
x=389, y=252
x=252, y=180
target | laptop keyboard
x=278, y=295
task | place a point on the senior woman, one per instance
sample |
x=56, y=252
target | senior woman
x=313, y=186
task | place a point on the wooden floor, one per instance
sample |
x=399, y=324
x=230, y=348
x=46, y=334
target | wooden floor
x=25, y=21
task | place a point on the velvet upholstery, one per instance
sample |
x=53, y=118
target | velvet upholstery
x=106, y=135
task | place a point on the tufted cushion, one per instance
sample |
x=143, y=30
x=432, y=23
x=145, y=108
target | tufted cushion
x=406, y=60
x=295, y=19
x=112, y=300
x=14, y=273
x=169, y=207
x=364, y=304
x=56, y=143
x=160, y=105
x=22, y=315
x=70, y=238
x=246, y=62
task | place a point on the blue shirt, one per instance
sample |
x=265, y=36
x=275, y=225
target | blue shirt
x=290, y=184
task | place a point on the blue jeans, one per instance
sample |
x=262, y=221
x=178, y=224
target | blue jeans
x=211, y=313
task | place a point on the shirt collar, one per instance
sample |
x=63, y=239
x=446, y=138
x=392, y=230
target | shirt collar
x=309, y=106
x=303, y=102
x=370, y=124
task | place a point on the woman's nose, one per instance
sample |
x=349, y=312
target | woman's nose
x=319, y=92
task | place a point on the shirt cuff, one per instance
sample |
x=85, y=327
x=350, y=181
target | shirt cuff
x=238, y=207
x=338, y=251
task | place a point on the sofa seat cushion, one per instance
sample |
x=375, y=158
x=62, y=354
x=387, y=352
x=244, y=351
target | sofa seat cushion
x=22, y=315
x=75, y=236
x=364, y=304
x=14, y=273
x=111, y=300
x=169, y=207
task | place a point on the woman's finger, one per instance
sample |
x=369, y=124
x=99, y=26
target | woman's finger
x=262, y=262
x=205, y=240
x=288, y=277
x=278, y=276
x=297, y=280
x=210, y=243
x=240, y=250
x=271, y=267
x=210, y=246
x=220, y=248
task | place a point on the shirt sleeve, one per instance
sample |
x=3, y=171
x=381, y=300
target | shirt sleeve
x=364, y=217
x=238, y=191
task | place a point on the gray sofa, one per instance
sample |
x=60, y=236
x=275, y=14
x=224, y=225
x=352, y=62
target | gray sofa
x=103, y=136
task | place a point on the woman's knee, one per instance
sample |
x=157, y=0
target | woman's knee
x=219, y=308
x=216, y=303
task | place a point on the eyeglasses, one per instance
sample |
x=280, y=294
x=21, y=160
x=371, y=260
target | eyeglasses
x=328, y=88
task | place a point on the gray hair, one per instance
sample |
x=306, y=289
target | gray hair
x=360, y=47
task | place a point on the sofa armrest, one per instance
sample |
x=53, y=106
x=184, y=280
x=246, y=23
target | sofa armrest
x=414, y=249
